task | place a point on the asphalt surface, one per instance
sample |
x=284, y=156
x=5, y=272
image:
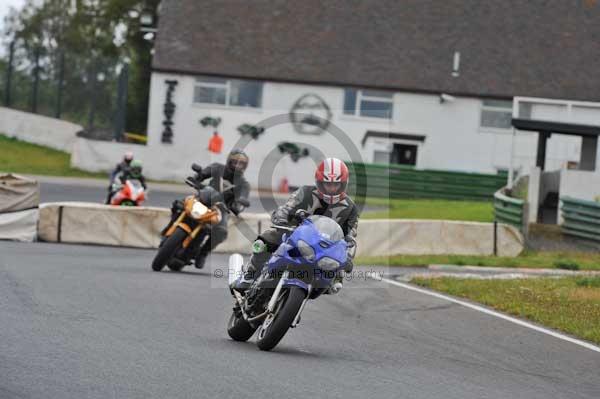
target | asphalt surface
x=95, y=322
x=95, y=191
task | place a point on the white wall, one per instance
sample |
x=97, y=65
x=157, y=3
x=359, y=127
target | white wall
x=454, y=139
x=579, y=184
x=38, y=129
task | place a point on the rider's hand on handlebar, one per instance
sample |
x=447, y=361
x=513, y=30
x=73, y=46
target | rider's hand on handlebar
x=236, y=208
x=300, y=215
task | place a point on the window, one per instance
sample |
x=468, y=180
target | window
x=381, y=157
x=496, y=114
x=369, y=103
x=233, y=92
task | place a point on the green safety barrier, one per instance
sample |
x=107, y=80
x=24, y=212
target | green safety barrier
x=581, y=218
x=397, y=181
x=508, y=210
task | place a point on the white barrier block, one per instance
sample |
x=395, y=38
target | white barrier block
x=86, y=223
x=140, y=227
x=19, y=226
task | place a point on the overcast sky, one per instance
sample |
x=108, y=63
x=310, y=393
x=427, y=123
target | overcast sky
x=5, y=6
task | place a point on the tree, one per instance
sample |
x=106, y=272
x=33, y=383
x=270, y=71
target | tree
x=97, y=37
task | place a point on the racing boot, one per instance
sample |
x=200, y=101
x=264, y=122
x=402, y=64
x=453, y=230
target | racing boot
x=338, y=284
x=259, y=257
x=200, y=259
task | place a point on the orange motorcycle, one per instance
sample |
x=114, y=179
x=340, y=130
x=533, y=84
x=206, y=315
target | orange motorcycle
x=187, y=233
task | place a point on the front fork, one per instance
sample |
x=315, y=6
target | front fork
x=297, y=318
x=272, y=302
x=191, y=233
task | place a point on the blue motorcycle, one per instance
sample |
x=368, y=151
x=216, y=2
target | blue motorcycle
x=303, y=267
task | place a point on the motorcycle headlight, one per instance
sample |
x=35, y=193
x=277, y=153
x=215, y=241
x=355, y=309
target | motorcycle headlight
x=306, y=250
x=328, y=264
x=198, y=209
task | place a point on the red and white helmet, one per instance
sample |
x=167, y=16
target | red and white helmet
x=128, y=157
x=331, y=179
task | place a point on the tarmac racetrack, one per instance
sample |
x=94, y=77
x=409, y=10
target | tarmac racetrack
x=95, y=191
x=95, y=322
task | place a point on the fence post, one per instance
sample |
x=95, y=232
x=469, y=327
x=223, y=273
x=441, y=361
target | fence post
x=525, y=221
x=9, y=69
x=495, y=238
x=121, y=111
x=92, y=88
x=59, y=88
x=36, y=81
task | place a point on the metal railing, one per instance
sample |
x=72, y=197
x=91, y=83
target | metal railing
x=396, y=181
x=581, y=218
x=510, y=210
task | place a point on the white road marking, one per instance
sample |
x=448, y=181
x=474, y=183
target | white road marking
x=495, y=314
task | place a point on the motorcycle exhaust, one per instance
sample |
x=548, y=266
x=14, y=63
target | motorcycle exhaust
x=236, y=264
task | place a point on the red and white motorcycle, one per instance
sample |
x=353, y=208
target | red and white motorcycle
x=130, y=193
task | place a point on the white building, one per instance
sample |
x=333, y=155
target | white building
x=429, y=85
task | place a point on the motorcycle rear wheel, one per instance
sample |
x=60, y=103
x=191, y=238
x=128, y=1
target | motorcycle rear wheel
x=166, y=251
x=270, y=335
x=239, y=329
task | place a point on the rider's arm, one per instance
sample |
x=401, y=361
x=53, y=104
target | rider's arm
x=244, y=190
x=207, y=172
x=350, y=229
x=351, y=226
x=142, y=180
x=283, y=214
x=114, y=173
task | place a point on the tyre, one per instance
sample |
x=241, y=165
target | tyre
x=273, y=332
x=239, y=329
x=128, y=203
x=175, y=267
x=168, y=248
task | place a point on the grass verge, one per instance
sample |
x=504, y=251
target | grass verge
x=21, y=157
x=528, y=259
x=473, y=211
x=569, y=304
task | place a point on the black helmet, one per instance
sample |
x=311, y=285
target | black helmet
x=237, y=161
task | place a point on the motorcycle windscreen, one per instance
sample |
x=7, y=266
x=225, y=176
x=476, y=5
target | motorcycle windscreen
x=137, y=185
x=327, y=227
x=136, y=188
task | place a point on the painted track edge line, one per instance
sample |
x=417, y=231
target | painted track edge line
x=494, y=313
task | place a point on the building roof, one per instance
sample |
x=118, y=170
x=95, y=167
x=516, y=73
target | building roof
x=538, y=48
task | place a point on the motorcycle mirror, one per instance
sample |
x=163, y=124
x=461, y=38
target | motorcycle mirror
x=196, y=168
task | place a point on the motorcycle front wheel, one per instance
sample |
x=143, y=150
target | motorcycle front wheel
x=275, y=326
x=239, y=329
x=168, y=248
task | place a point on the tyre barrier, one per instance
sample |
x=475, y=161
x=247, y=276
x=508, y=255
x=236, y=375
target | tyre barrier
x=85, y=223
x=19, y=200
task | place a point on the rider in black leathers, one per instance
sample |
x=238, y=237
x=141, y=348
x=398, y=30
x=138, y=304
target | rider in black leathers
x=235, y=199
x=121, y=167
x=328, y=198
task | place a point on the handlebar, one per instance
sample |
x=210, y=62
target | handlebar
x=287, y=228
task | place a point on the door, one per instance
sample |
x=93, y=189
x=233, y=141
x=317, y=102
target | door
x=404, y=154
